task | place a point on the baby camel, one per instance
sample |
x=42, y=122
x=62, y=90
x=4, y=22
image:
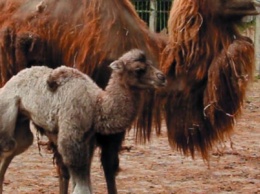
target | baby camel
x=68, y=107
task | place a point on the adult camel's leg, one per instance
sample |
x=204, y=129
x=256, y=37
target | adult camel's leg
x=18, y=51
x=110, y=147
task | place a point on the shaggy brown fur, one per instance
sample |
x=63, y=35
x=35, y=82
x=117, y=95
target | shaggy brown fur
x=70, y=32
x=71, y=112
x=209, y=64
x=87, y=34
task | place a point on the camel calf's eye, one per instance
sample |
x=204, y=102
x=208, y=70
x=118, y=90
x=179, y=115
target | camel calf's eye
x=139, y=72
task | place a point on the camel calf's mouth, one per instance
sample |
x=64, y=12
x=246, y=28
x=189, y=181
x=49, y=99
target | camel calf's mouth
x=162, y=82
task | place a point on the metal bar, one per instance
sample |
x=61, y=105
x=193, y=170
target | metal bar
x=153, y=15
x=257, y=44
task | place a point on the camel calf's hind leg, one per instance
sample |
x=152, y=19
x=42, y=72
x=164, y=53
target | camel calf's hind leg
x=24, y=138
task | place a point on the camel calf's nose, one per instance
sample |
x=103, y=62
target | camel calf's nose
x=161, y=77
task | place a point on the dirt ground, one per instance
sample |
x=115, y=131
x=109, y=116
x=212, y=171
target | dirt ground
x=156, y=169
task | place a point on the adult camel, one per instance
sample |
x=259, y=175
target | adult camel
x=207, y=61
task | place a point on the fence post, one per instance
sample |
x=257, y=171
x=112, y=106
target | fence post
x=257, y=44
x=153, y=17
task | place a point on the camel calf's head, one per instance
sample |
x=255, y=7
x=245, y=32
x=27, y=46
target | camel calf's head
x=136, y=71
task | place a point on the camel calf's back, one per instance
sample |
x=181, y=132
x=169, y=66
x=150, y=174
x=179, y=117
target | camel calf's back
x=29, y=91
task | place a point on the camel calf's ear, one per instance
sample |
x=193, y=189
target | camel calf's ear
x=117, y=65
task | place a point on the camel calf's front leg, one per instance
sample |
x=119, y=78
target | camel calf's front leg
x=110, y=147
x=76, y=149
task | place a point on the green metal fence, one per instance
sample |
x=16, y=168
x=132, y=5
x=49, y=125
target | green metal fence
x=154, y=12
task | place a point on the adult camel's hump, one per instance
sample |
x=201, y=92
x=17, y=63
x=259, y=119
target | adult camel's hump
x=79, y=33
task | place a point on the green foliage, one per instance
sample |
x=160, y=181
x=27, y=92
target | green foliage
x=242, y=26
